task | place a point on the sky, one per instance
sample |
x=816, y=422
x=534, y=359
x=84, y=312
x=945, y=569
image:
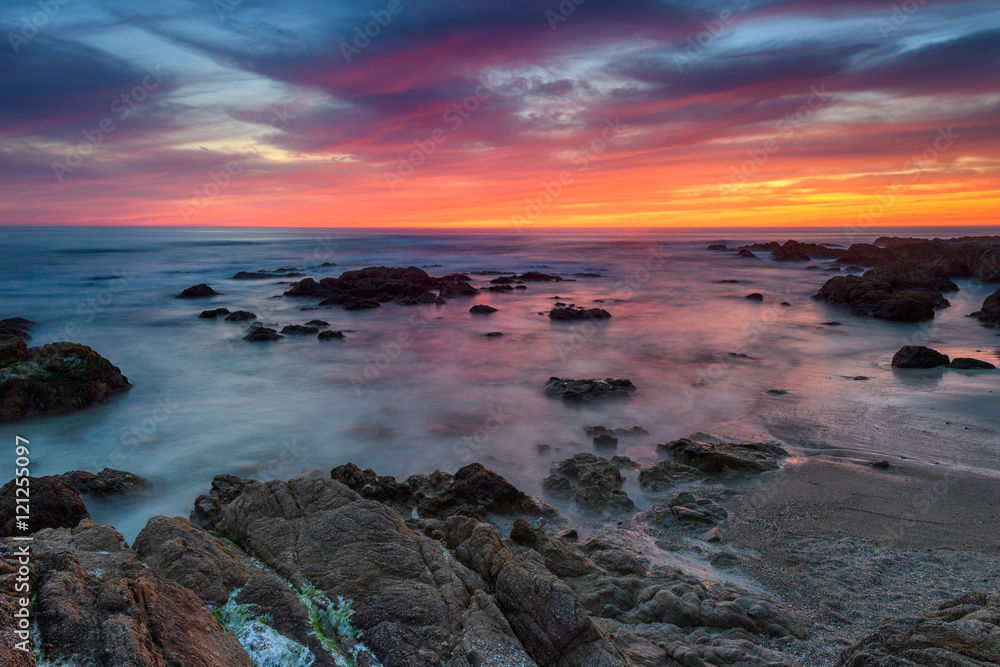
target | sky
x=498, y=113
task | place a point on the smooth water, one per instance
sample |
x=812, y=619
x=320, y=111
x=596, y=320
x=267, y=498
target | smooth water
x=416, y=388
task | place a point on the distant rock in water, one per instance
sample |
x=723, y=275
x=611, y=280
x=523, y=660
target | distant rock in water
x=594, y=483
x=990, y=311
x=330, y=335
x=907, y=276
x=262, y=334
x=17, y=327
x=746, y=254
x=754, y=457
x=589, y=390
x=213, y=314
x=240, y=316
x=108, y=482
x=962, y=631
x=793, y=251
x=263, y=275
x=54, y=379
x=571, y=313
x=299, y=330
x=969, y=364
x=918, y=356
x=756, y=296
x=197, y=292
x=370, y=287
x=482, y=309
x=875, y=298
x=718, y=246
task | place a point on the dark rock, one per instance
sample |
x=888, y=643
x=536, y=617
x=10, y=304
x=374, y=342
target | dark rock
x=666, y=474
x=535, y=276
x=256, y=275
x=718, y=246
x=494, y=334
x=482, y=309
x=240, y=316
x=54, y=379
x=13, y=350
x=570, y=313
x=475, y=491
x=725, y=457
x=17, y=327
x=587, y=275
x=878, y=299
x=108, y=482
x=354, y=304
x=299, y=330
x=990, y=311
x=372, y=286
x=498, y=288
x=962, y=631
x=746, y=254
x=197, y=292
x=756, y=296
x=605, y=440
x=598, y=483
x=685, y=507
x=261, y=334
x=881, y=463
x=969, y=364
x=588, y=390
x=793, y=251
x=317, y=323
x=904, y=275
x=918, y=356
x=864, y=254
x=455, y=289
x=785, y=304
x=213, y=314
x=52, y=504
x=330, y=335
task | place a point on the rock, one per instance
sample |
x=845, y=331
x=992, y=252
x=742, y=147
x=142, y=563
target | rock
x=354, y=304
x=52, y=504
x=962, y=631
x=262, y=334
x=108, y=482
x=793, y=251
x=475, y=491
x=918, y=356
x=535, y=276
x=907, y=276
x=666, y=474
x=256, y=275
x=494, y=334
x=881, y=463
x=756, y=296
x=240, y=316
x=455, y=289
x=969, y=364
x=317, y=323
x=585, y=274
x=864, y=254
x=725, y=457
x=17, y=327
x=571, y=314
x=990, y=311
x=13, y=350
x=588, y=390
x=746, y=254
x=374, y=285
x=298, y=330
x=482, y=309
x=97, y=604
x=213, y=314
x=718, y=246
x=558, y=486
x=605, y=440
x=878, y=299
x=55, y=379
x=686, y=508
x=785, y=304
x=197, y=292
x=330, y=335
x=599, y=483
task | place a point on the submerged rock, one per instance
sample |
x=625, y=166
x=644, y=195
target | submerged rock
x=330, y=335
x=756, y=296
x=54, y=379
x=299, y=330
x=918, y=356
x=962, y=631
x=213, y=314
x=588, y=390
x=482, y=309
x=262, y=334
x=969, y=364
x=747, y=254
x=198, y=292
x=571, y=313
x=874, y=298
x=240, y=316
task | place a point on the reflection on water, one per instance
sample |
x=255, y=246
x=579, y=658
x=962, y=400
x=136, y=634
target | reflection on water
x=416, y=388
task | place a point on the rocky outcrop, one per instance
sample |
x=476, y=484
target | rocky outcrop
x=375, y=285
x=299, y=330
x=241, y=316
x=198, y=292
x=331, y=335
x=746, y=254
x=54, y=379
x=262, y=334
x=213, y=314
x=594, y=483
x=918, y=356
x=970, y=364
x=570, y=313
x=482, y=309
x=52, y=504
x=962, y=631
x=990, y=311
x=727, y=458
x=108, y=482
x=793, y=251
x=589, y=390
x=875, y=298
x=902, y=275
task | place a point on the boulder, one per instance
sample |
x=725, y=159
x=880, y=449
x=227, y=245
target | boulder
x=52, y=504
x=17, y=327
x=746, y=254
x=55, y=379
x=299, y=330
x=969, y=364
x=13, y=350
x=570, y=313
x=262, y=334
x=666, y=474
x=372, y=286
x=598, y=483
x=482, y=309
x=330, y=335
x=873, y=298
x=197, y=292
x=213, y=314
x=962, y=631
x=756, y=296
x=902, y=275
x=729, y=458
x=588, y=390
x=108, y=482
x=918, y=356
x=990, y=311
x=718, y=246
x=240, y=316
x=865, y=254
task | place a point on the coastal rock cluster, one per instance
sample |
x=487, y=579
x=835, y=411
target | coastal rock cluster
x=52, y=379
x=375, y=285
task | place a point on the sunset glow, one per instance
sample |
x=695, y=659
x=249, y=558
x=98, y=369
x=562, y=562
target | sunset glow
x=536, y=115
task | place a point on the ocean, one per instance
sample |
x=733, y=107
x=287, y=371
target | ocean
x=415, y=388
